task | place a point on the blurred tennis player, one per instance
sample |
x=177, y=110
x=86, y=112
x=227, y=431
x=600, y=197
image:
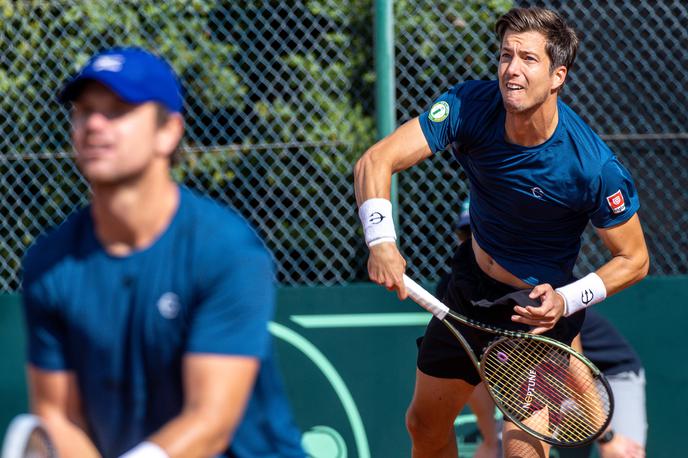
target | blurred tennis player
x=537, y=175
x=147, y=311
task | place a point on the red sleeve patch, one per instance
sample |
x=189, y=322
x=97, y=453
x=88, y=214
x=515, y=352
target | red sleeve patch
x=616, y=202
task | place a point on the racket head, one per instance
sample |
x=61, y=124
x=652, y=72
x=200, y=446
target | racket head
x=547, y=389
x=26, y=437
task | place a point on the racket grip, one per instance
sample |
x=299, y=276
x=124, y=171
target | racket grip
x=423, y=298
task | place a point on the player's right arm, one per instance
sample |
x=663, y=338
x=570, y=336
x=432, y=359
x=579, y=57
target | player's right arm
x=53, y=389
x=54, y=397
x=400, y=150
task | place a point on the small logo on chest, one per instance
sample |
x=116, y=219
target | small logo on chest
x=168, y=305
x=537, y=192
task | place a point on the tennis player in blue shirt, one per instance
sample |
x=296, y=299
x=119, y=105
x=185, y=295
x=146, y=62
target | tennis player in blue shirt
x=538, y=174
x=147, y=310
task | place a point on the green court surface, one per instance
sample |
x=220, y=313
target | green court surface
x=348, y=359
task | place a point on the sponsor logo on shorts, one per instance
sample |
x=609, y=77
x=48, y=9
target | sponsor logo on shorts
x=439, y=112
x=616, y=202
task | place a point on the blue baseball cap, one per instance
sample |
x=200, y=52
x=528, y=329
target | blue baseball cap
x=134, y=74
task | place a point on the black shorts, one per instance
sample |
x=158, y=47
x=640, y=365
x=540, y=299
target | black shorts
x=441, y=355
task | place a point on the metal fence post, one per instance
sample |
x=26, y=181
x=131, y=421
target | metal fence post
x=384, y=83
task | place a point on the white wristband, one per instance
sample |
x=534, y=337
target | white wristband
x=146, y=450
x=587, y=291
x=378, y=225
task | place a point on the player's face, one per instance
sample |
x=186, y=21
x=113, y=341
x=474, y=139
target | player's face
x=525, y=80
x=114, y=141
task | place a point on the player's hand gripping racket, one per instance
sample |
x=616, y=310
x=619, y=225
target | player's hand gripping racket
x=26, y=437
x=545, y=387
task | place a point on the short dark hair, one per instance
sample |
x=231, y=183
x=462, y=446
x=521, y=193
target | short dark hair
x=562, y=41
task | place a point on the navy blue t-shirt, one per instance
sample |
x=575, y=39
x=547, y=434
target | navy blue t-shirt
x=123, y=324
x=529, y=205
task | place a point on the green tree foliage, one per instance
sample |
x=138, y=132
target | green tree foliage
x=279, y=96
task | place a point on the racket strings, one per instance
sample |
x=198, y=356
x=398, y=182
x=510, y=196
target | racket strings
x=554, y=401
x=552, y=398
x=39, y=445
x=558, y=377
x=526, y=375
x=546, y=423
x=554, y=374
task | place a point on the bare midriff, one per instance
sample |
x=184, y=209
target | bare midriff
x=491, y=268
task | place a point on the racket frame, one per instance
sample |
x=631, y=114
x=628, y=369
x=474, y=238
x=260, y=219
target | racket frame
x=595, y=372
x=18, y=435
x=433, y=305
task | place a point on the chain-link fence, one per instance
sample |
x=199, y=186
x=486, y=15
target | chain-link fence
x=279, y=104
x=628, y=83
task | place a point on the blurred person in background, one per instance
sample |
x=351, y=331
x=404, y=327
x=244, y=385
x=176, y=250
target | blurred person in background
x=147, y=310
x=604, y=345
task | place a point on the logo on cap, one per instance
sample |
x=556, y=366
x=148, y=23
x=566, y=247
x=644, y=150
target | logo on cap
x=616, y=202
x=111, y=63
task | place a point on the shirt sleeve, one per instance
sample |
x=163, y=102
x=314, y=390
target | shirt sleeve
x=45, y=326
x=616, y=198
x=441, y=123
x=237, y=298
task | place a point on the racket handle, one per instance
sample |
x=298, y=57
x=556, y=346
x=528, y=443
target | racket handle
x=425, y=299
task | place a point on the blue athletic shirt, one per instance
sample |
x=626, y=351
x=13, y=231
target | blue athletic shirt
x=123, y=324
x=529, y=205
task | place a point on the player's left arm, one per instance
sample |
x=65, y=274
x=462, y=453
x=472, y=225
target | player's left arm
x=630, y=260
x=629, y=264
x=216, y=390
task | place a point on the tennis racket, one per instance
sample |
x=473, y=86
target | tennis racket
x=26, y=437
x=545, y=387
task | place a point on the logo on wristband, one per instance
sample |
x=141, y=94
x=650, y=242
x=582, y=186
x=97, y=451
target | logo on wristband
x=375, y=218
x=587, y=296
